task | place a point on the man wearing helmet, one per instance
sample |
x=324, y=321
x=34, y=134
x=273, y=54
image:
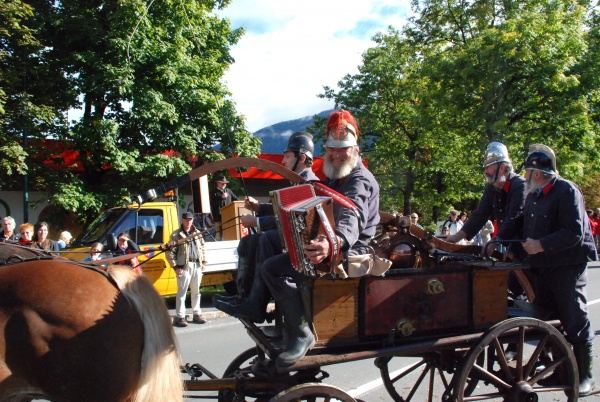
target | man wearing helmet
x=347, y=175
x=253, y=250
x=298, y=157
x=559, y=242
x=502, y=199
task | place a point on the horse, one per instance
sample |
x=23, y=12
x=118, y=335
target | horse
x=71, y=332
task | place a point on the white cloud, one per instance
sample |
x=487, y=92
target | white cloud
x=292, y=49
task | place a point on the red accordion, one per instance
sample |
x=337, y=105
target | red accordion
x=301, y=216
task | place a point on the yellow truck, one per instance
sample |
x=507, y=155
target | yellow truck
x=149, y=227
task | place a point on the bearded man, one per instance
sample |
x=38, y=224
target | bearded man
x=503, y=197
x=347, y=175
x=560, y=243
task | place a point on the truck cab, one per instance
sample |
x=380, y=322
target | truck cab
x=149, y=227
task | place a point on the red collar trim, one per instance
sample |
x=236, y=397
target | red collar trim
x=506, y=186
x=547, y=187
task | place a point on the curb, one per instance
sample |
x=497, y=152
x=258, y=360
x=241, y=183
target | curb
x=215, y=314
x=209, y=315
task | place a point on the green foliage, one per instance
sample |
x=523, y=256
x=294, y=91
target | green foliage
x=148, y=83
x=461, y=74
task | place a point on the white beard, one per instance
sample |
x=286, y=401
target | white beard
x=531, y=186
x=344, y=170
x=500, y=181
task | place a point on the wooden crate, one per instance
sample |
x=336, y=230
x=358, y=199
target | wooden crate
x=490, y=294
x=335, y=309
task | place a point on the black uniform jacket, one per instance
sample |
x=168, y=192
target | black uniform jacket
x=500, y=204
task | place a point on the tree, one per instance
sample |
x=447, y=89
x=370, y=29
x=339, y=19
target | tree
x=17, y=107
x=147, y=77
x=462, y=74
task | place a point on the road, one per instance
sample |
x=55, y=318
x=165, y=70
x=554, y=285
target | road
x=216, y=343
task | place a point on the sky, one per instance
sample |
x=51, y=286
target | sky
x=291, y=49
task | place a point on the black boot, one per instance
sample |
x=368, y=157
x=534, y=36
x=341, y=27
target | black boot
x=227, y=299
x=301, y=336
x=585, y=357
x=255, y=307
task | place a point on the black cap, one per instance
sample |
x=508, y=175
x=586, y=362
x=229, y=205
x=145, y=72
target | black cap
x=187, y=215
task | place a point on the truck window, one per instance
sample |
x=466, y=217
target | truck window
x=147, y=229
x=95, y=232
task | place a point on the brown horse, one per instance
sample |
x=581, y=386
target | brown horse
x=74, y=333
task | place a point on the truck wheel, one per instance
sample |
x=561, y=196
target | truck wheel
x=230, y=288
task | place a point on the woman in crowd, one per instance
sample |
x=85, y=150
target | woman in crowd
x=41, y=240
x=26, y=231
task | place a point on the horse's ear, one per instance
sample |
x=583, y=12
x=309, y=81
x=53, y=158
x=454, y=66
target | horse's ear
x=111, y=242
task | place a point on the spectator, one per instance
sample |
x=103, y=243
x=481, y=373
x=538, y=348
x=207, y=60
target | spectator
x=40, y=238
x=559, y=243
x=220, y=197
x=414, y=219
x=8, y=230
x=347, y=175
x=95, y=252
x=127, y=246
x=188, y=260
x=64, y=239
x=477, y=240
x=26, y=230
x=454, y=224
x=463, y=217
x=445, y=232
x=593, y=223
x=596, y=219
x=486, y=232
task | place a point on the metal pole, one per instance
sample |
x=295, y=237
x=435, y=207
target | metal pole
x=25, y=133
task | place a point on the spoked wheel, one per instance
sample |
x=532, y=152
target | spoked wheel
x=313, y=392
x=544, y=368
x=428, y=376
x=241, y=368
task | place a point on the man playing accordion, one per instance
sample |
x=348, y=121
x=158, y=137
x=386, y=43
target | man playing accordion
x=347, y=175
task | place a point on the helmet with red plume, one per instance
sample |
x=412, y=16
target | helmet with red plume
x=342, y=129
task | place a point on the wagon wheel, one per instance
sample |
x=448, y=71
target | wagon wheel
x=312, y=392
x=428, y=368
x=544, y=368
x=240, y=367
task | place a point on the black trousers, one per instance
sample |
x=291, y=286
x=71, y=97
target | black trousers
x=253, y=251
x=562, y=291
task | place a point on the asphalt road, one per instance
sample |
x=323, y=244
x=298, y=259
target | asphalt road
x=215, y=344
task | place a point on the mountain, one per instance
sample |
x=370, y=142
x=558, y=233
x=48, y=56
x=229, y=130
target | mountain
x=274, y=137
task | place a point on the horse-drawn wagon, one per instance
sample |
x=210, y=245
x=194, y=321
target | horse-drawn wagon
x=446, y=308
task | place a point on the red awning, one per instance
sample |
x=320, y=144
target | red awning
x=254, y=173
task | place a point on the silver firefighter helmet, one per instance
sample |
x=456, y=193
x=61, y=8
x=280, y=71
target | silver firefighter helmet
x=496, y=152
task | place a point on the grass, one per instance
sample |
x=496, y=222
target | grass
x=206, y=293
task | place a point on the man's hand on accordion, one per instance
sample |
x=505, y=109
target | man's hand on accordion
x=317, y=249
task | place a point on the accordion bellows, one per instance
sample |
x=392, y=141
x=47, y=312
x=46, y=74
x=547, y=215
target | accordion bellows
x=301, y=216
